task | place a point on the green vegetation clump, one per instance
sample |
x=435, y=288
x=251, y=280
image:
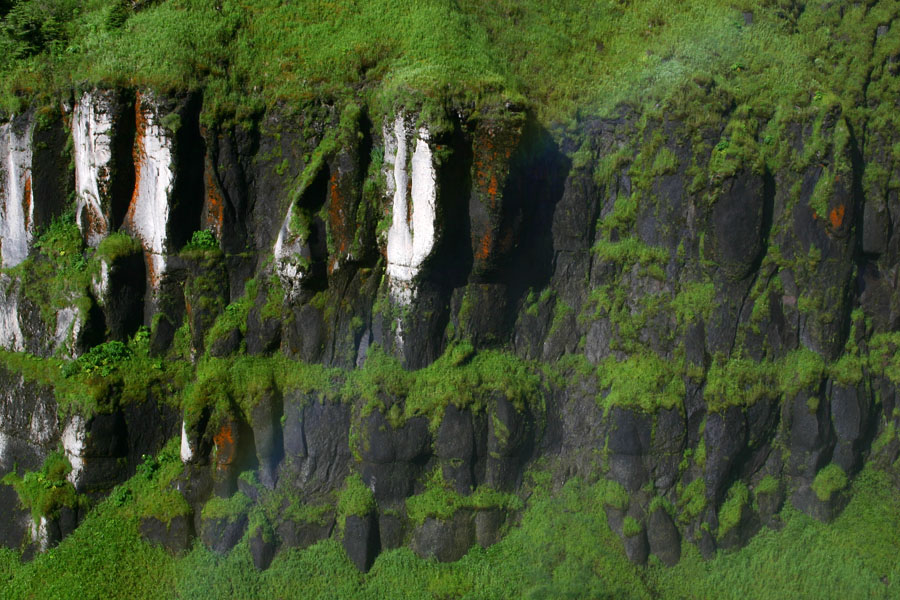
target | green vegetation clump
x=118, y=245
x=151, y=493
x=46, y=490
x=440, y=501
x=202, y=240
x=356, y=499
x=100, y=360
x=229, y=509
x=732, y=510
x=829, y=480
x=631, y=527
x=692, y=500
x=460, y=376
x=642, y=381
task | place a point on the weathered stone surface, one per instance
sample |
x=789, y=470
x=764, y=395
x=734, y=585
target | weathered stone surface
x=174, y=535
x=663, y=538
x=445, y=540
x=221, y=535
x=361, y=541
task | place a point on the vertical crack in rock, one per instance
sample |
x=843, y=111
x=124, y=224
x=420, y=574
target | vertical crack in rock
x=413, y=232
x=15, y=192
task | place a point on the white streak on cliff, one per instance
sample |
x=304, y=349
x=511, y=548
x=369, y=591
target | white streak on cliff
x=92, y=127
x=187, y=452
x=16, y=206
x=412, y=235
x=148, y=213
x=74, y=439
x=292, y=258
x=11, y=337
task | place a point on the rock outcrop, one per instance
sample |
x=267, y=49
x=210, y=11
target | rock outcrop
x=727, y=328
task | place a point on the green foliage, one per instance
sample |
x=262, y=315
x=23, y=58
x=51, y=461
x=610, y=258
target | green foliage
x=613, y=494
x=151, y=488
x=632, y=251
x=356, y=499
x=642, y=381
x=100, y=360
x=45, y=491
x=202, y=240
x=631, y=527
x=829, y=480
x=227, y=508
x=460, y=376
x=441, y=501
x=732, y=510
x=692, y=500
x=855, y=556
x=694, y=301
x=118, y=245
x=766, y=485
x=59, y=276
x=737, y=382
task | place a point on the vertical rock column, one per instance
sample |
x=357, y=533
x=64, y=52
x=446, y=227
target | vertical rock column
x=102, y=136
x=148, y=213
x=16, y=207
x=412, y=186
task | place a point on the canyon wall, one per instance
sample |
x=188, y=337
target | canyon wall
x=704, y=313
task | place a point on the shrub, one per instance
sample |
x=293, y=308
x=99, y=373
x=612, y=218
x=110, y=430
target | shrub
x=202, y=240
x=47, y=490
x=829, y=480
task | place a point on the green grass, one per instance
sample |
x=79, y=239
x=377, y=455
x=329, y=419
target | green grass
x=440, y=501
x=562, y=548
x=561, y=59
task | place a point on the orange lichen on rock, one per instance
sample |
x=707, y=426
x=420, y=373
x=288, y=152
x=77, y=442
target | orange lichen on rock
x=214, y=210
x=138, y=152
x=837, y=216
x=226, y=449
x=26, y=203
x=485, y=246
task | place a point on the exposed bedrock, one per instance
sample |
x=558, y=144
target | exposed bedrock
x=718, y=319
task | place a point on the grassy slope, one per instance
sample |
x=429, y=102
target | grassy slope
x=563, y=549
x=562, y=59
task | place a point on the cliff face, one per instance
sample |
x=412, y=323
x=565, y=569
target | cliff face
x=704, y=312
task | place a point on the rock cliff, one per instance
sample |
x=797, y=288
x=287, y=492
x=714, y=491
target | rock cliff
x=371, y=326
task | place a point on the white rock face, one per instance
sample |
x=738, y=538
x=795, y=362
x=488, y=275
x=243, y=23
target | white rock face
x=148, y=212
x=16, y=206
x=11, y=337
x=68, y=326
x=92, y=129
x=73, y=439
x=100, y=282
x=40, y=534
x=412, y=182
x=292, y=258
x=187, y=452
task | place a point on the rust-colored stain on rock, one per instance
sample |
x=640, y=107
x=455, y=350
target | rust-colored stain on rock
x=836, y=216
x=214, y=210
x=26, y=203
x=225, y=446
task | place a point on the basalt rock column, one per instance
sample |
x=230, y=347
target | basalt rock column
x=101, y=135
x=16, y=204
